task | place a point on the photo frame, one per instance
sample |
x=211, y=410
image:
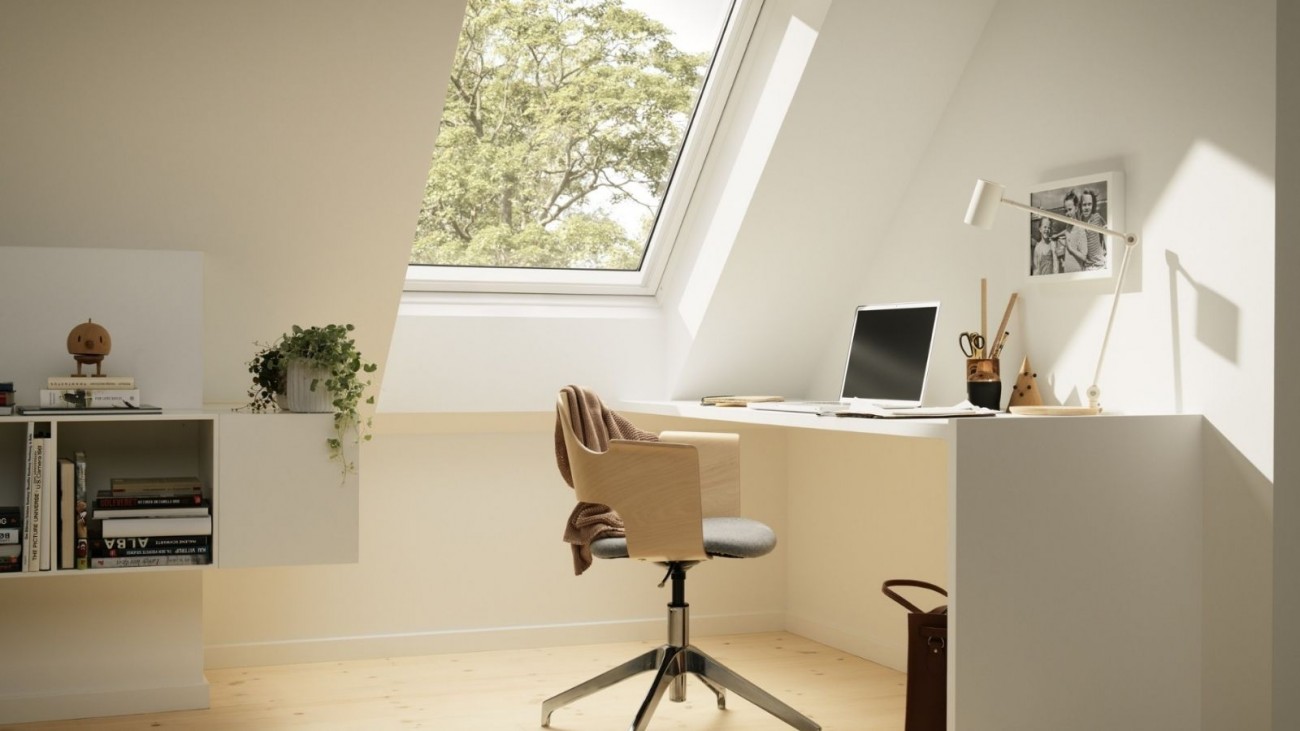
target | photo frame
x=1060, y=252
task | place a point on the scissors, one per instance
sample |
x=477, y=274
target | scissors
x=972, y=344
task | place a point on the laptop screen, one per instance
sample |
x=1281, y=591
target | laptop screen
x=890, y=352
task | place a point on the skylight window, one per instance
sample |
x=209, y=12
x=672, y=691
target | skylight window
x=570, y=139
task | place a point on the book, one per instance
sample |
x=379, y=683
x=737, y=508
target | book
x=67, y=514
x=10, y=550
x=89, y=383
x=81, y=548
x=11, y=516
x=151, y=546
x=10, y=536
x=155, y=485
x=10, y=565
x=738, y=400
x=93, y=398
x=107, y=500
x=105, y=410
x=142, y=527
x=49, y=503
x=185, y=510
x=112, y=562
x=27, y=495
x=105, y=552
x=40, y=508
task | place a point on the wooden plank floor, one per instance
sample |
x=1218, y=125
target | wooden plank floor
x=503, y=691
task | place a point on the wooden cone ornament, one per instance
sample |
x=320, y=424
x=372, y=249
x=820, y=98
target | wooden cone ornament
x=1026, y=391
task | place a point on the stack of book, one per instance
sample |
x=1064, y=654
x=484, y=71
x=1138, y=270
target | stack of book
x=11, y=539
x=89, y=392
x=151, y=521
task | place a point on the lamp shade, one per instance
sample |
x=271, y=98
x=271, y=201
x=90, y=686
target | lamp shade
x=984, y=203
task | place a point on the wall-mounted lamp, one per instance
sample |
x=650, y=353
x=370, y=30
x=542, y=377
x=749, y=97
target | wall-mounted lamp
x=983, y=209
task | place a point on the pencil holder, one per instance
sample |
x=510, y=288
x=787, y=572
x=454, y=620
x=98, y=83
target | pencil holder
x=984, y=382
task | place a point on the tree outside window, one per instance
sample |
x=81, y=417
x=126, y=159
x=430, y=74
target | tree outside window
x=563, y=122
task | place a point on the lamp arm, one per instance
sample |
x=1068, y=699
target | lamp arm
x=1129, y=239
x=1094, y=391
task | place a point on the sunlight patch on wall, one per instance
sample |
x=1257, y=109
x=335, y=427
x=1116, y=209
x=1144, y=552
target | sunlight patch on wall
x=743, y=178
x=1206, y=234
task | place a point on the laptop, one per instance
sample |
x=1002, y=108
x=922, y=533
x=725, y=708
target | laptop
x=887, y=365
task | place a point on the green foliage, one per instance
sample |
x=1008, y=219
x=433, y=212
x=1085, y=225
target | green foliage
x=268, y=369
x=331, y=349
x=553, y=106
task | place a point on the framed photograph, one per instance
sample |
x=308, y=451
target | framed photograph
x=1061, y=251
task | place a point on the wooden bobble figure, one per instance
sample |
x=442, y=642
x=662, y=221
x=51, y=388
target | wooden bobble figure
x=1026, y=391
x=88, y=343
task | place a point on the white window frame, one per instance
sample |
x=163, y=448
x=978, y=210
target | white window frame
x=645, y=281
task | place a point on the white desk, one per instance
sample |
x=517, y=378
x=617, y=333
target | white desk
x=1073, y=558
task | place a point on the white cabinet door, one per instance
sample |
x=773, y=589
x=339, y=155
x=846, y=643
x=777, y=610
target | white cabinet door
x=281, y=500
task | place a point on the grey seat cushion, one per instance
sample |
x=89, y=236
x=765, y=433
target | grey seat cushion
x=728, y=537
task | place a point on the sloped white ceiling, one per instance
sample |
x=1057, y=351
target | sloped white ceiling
x=287, y=140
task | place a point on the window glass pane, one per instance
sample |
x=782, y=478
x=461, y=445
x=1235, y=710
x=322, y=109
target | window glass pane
x=563, y=122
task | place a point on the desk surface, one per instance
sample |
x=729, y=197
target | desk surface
x=925, y=428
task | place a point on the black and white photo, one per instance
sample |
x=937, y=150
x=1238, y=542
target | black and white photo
x=1059, y=250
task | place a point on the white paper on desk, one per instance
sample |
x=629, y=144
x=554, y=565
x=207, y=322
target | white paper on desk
x=865, y=408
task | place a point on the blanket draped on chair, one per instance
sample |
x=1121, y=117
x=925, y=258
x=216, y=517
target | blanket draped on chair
x=594, y=425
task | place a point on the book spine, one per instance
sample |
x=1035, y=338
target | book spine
x=67, y=513
x=122, y=552
x=142, y=527
x=81, y=548
x=35, y=548
x=152, y=542
x=49, y=505
x=11, y=516
x=89, y=383
x=112, y=562
x=90, y=399
x=28, y=499
x=147, y=501
x=147, y=485
x=10, y=565
x=10, y=550
x=165, y=511
x=151, y=546
x=10, y=536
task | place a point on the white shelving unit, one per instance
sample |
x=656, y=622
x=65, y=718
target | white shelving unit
x=100, y=642
x=140, y=445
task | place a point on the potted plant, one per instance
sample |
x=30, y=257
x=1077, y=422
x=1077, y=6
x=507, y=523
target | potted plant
x=314, y=369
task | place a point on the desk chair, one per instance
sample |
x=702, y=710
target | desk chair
x=679, y=499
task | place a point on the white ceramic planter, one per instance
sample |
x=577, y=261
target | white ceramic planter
x=299, y=396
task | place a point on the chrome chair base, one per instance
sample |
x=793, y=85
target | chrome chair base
x=671, y=664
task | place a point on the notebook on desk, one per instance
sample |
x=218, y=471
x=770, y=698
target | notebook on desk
x=887, y=364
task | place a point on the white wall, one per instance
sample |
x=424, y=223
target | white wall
x=1180, y=97
x=461, y=550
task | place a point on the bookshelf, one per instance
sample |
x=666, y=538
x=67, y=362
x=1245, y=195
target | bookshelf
x=142, y=445
x=277, y=499
x=113, y=641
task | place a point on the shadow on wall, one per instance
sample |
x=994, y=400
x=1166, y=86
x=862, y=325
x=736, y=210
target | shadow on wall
x=1217, y=326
